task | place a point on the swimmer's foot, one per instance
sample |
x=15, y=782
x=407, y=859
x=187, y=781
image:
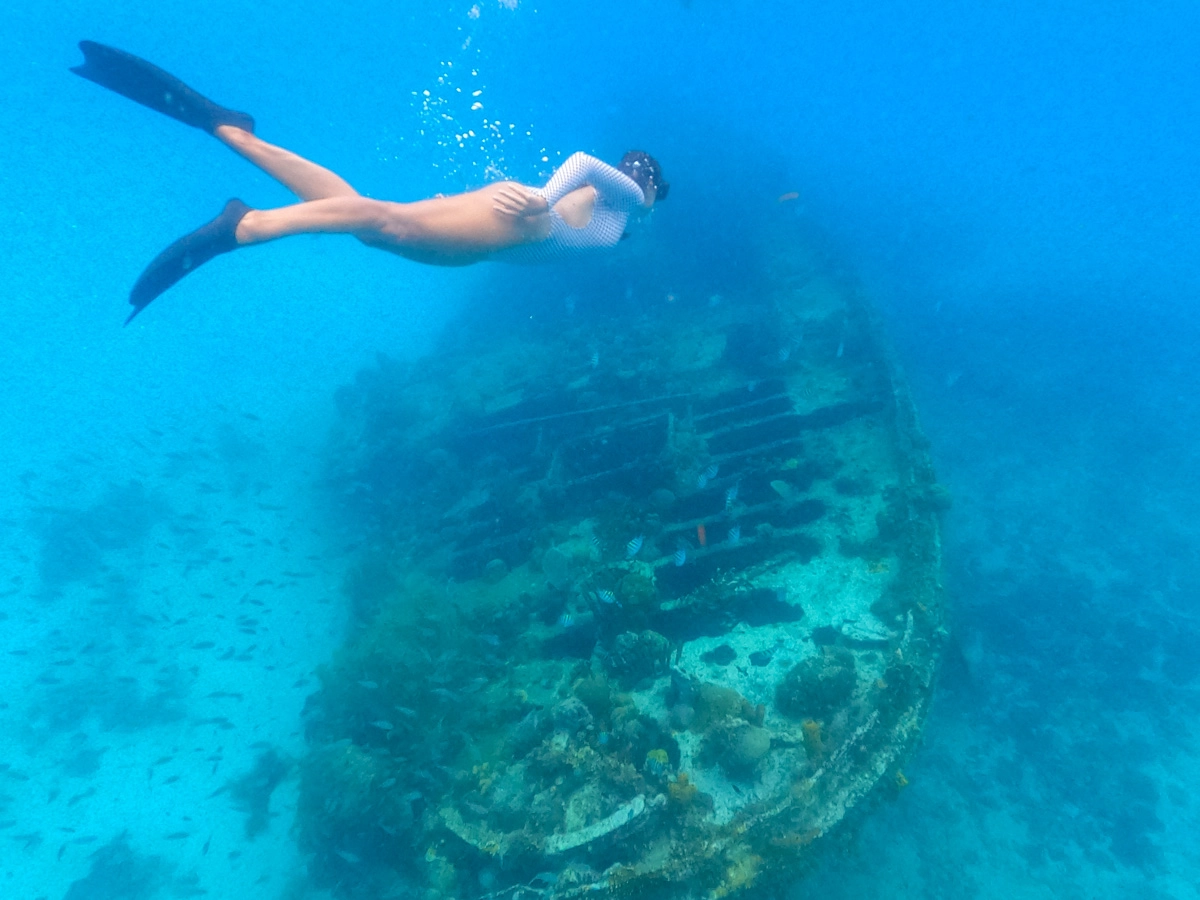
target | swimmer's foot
x=189, y=252
x=141, y=81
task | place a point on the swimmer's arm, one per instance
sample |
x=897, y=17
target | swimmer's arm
x=519, y=201
x=618, y=189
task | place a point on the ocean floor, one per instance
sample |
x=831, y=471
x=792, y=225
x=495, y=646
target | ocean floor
x=163, y=618
x=160, y=636
x=1061, y=755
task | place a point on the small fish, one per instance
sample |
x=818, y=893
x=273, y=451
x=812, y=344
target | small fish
x=680, y=555
x=841, y=349
x=702, y=535
x=369, y=685
x=90, y=792
x=708, y=475
x=604, y=595
x=735, y=534
x=383, y=725
x=595, y=359
x=602, y=738
x=784, y=354
x=634, y=546
x=566, y=620
x=788, y=197
x=731, y=496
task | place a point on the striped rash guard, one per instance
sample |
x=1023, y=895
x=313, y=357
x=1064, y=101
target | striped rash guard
x=617, y=195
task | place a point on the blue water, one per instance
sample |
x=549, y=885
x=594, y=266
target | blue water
x=1014, y=186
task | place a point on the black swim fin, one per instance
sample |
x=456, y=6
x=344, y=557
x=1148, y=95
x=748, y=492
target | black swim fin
x=141, y=81
x=189, y=252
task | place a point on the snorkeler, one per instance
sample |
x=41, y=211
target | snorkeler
x=585, y=204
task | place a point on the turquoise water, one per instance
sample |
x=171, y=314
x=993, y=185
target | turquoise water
x=1014, y=188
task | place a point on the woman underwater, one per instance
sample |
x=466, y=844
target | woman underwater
x=585, y=204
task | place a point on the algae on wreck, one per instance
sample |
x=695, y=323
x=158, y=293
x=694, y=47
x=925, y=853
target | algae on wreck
x=648, y=608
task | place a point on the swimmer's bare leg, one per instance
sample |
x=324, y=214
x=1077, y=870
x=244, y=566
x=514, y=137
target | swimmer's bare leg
x=304, y=178
x=373, y=221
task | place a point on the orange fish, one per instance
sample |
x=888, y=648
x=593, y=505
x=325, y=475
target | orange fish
x=790, y=195
x=701, y=536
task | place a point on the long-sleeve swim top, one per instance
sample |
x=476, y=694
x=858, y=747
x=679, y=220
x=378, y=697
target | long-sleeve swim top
x=617, y=195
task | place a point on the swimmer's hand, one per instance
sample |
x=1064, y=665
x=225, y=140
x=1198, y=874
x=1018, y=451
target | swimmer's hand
x=519, y=201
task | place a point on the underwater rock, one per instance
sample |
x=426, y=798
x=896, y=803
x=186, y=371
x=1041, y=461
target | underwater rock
x=495, y=571
x=819, y=686
x=714, y=704
x=681, y=717
x=638, y=656
x=738, y=746
x=572, y=716
x=662, y=499
x=529, y=732
x=681, y=791
x=252, y=792
x=557, y=566
x=638, y=590
x=595, y=694
x=119, y=873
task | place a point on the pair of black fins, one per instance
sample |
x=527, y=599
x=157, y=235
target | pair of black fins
x=147, y=84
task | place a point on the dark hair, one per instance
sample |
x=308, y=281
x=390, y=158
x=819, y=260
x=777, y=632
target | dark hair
x=645, y=170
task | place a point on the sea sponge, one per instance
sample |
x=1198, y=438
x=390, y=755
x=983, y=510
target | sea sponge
x=638, y=590
x=638, y=655
x=681, y=790
x=814, y=744
x=740, y=874
x=819, y=686
x=738, y=746
x=595, y=693
x=714, y=703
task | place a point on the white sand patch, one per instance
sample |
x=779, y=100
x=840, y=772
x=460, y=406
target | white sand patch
x=133, y=694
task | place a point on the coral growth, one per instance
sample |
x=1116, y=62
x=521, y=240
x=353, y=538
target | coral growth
x=637, y=656
x=818, y=686
x=814, y=743
x=738, y=746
